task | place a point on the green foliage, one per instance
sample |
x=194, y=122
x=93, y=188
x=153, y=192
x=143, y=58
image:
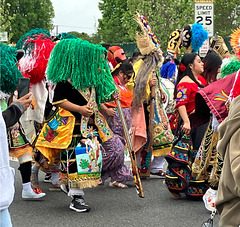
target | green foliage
x=28, y=14
x=112, y=27
x=118, y=25
x=226, y=16
x=93, y=38
x=5, y=18
x=81, y=35
x=8, y=68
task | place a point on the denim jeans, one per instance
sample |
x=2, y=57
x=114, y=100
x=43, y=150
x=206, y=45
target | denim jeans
x=5, y=218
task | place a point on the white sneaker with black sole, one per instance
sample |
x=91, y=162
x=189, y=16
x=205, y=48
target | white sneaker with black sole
x=78, y=204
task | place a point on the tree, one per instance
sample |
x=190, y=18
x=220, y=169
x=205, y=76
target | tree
x=81, y=35
x=226, y=16
x=118, y=25
x=112, y=26
x=6, y=19
x=164, y=16
x=27, y=15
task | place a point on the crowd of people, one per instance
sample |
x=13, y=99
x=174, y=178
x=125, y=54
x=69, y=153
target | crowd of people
x=70, y=126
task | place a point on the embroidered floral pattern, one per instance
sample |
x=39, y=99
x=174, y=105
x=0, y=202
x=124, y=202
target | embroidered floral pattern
x=181, y=95
x=50, y=132
x=105, y=132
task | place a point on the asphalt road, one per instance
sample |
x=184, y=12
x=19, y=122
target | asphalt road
x=110, y=207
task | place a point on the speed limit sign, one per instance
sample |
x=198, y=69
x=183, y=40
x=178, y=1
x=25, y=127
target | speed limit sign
x=204, y=13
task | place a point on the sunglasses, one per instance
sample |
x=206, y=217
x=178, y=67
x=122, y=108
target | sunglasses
x=129, y=76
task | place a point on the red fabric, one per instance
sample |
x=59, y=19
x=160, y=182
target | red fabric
x=126, y=95
x=41, y=48
x=216, y=95
x=186, y=93
x=110, y=55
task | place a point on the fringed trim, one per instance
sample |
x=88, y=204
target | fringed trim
x=211, y=158
x=16, y=153
x=85, y=184
x=81, y=181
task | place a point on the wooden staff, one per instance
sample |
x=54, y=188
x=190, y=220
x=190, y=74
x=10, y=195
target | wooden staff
x=151, y=128
x=135, y=173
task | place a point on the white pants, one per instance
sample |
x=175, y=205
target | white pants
x=157, y=164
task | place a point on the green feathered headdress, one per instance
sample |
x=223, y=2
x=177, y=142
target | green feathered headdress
x=84, y=64
x=9, y=70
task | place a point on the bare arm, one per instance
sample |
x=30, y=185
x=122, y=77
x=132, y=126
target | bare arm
x=186, y=122
x=109, y=111
x=83, y=110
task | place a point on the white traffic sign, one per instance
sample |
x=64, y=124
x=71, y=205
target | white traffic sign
x=204, y=48
x=204, y=13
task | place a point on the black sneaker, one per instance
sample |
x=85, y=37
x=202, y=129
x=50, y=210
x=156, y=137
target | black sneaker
x=47, y=178
x=78, y=204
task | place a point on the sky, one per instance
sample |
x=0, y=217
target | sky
x=76, y=15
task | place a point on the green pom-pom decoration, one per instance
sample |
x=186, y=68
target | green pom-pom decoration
x=229, y=66
x=9, y=70
x=84, y=64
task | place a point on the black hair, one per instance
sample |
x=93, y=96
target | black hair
x=125, y=67
x=186, y=60
x=212, y=62
x=166, y=60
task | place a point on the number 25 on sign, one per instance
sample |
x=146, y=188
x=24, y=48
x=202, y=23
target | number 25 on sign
x=204, y=13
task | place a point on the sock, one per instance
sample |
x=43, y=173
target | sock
x=55, y=177
x=25, y=170
x=35, y=168
x=27, y=187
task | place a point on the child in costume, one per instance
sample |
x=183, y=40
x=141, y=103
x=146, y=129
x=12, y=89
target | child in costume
x=113, y=156
x=19, y=146
x=83, y=82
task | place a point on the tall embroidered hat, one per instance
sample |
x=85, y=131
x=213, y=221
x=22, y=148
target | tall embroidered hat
x=147, y=42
